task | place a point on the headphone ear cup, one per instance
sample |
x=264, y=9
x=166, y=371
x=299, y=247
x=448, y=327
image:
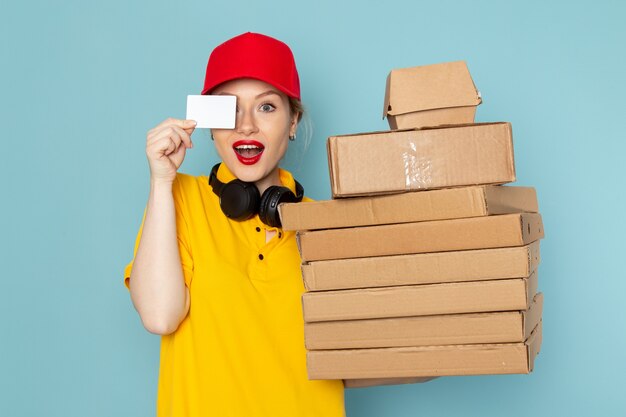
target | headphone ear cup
x=268, y=208
x=239, y=200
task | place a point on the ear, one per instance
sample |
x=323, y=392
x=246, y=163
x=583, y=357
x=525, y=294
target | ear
x=293, y=124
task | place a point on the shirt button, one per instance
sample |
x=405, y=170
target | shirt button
x=258, y=229
x=261, y=256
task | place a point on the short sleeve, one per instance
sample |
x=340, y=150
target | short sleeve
x=129, y=266
x=183, y=246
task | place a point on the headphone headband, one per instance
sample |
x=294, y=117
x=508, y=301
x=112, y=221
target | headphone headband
x=215, y=183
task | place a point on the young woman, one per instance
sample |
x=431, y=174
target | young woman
x=213, y=272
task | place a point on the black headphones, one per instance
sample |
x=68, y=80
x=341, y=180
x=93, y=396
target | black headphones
x=241, y=200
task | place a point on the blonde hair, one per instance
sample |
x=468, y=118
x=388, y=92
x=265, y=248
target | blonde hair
x=295, y=152
x=296, y=106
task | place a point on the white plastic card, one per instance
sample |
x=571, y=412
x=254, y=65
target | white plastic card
x=216, y=112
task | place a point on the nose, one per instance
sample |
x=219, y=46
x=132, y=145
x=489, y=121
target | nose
x=245, y=122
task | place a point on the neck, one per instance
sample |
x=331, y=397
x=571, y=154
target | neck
x=272, y=179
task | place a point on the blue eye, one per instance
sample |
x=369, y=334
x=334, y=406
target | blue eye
x=267, y=107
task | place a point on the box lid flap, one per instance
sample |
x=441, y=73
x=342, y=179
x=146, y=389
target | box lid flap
x=533, y=345
x=429, y=87
x=532, y=316
x=370, y=382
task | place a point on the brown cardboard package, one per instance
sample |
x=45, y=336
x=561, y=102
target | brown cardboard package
x=405, y=160
x=433, y=236
x=423, y=268
x=451, y=203
x=430, y=95
x=420, y=300
x=449, y=329
x=426, y=361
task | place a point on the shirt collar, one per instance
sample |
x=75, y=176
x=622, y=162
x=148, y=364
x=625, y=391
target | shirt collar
x=286, y=179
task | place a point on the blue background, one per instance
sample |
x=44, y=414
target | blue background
x=82, y=82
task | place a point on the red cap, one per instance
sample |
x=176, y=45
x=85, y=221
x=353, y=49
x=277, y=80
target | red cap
x=253, y=55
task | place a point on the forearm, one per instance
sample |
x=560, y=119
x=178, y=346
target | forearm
x=157, y=285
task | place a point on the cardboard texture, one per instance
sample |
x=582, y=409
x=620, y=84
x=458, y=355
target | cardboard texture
x=409, y=238
x=405, y=160
x=449, y=329
x=371, y=382
x=420, y=300
x=425, y=268
x=408, y=207
x=430, y=95
x=433, y=118
x=427, y=361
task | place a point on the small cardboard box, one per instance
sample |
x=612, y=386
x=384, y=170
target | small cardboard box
x=425, y=361
x=405, y=160
x=449, y=329
x=433, y=236
x=420, y=300
x=451, y=203
x=423, y=268
x=430, y=95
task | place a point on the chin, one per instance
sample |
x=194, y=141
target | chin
x=247, y=173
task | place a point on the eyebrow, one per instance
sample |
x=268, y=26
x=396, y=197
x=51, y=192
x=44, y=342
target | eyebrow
x=266, y=93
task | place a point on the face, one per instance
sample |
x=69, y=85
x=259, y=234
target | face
x=253, y=149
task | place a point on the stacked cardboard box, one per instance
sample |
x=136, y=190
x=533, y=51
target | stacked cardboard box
x=403, y=286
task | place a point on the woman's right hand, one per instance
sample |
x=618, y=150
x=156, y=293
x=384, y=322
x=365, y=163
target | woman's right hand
x=166, y=146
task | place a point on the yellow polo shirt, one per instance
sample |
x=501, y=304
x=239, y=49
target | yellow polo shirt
x=240, y=350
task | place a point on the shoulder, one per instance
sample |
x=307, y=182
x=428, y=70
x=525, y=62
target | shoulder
x=187, y=188
x=185, y=182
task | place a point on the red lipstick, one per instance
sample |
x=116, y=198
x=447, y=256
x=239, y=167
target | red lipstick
x=248, y=152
